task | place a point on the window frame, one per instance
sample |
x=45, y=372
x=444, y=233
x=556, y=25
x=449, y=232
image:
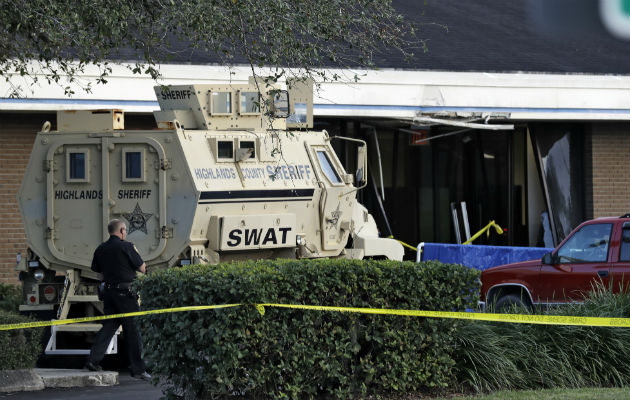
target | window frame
x=219, y=158
x=124, y=153
x=333, y=165
x=299, y=115
x=574, y=260
x=86, y=164
x=239, y=93
x=253, y=158
x=624, y=246
x=211, y=95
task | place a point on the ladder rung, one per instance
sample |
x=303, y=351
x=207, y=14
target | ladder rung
x=82, y=327
x=68, y=351
x=82, y=298
x=78, y=327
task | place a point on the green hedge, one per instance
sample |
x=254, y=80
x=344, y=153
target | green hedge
x=19, y=348
x=10, y=297
x=304, y=354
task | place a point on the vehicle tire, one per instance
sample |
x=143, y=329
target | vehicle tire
x=510, y=302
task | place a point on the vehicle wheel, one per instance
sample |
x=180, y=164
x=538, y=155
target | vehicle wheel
x=509, y=302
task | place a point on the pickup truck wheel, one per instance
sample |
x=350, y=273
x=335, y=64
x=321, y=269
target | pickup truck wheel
x=507, y=303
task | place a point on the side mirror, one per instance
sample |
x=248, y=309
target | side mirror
x=361, y=175
x=548, y=259
x=281, y=104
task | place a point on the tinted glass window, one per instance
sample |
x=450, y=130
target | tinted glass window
x=133, y=164
x=221, y=102
x=624, y=255
x=327, y=167
x=226, y=149
x=300, y=114
x=77, y=165
x=589, y=244
x=250, y=102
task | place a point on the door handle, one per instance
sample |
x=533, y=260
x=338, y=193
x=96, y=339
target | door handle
x=602, y=274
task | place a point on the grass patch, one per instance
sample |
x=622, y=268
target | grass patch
x=550, y=394
x=503, y=356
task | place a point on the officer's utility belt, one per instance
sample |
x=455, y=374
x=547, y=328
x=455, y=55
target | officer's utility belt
x=103, y=286
x=119, y=286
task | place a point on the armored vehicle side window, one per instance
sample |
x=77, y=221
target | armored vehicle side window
x=133, y=165
x=327, y=167
x=299, y=114
x=225, y=149
x=281, y=104
x=221, y=103
x=246, y=145
x=77, y=161
x=249, y=103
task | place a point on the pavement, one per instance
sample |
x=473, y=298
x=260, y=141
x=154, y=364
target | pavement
x=42, y=378
x=128, y=388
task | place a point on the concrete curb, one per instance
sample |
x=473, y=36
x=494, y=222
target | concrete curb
x=20, y=380
x=41, y=378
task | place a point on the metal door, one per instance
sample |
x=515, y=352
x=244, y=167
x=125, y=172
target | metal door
x=91, y=181
x=335, y=205
x=74, y=199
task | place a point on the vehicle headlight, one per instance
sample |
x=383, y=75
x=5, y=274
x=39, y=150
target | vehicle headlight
x=38, y=274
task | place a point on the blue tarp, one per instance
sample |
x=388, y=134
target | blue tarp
x=477, y=256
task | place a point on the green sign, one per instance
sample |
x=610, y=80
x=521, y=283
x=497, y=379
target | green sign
x=615, y=16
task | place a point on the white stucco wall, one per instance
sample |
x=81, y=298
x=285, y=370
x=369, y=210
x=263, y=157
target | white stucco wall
x=383, y=93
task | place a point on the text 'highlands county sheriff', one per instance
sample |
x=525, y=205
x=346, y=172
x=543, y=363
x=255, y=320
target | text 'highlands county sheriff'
x=288, y=172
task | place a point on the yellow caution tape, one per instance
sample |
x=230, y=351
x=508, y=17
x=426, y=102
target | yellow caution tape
x=512, y=318
x=403, y=243
x=39, y=324
x=486, y=229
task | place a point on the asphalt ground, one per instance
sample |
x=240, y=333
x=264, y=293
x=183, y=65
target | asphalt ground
x=128, y=389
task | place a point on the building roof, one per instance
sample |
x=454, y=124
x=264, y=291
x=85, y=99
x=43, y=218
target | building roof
x=543, y=36
x=558, y=36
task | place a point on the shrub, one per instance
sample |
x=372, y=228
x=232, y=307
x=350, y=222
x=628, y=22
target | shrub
x=304, y=354
x=10, y=297
x=19, y=348
x=494, y=356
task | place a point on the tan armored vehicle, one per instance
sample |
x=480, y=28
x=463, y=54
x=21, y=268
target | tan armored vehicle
x=231, y=172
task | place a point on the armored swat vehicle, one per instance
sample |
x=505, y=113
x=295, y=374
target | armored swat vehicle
x=231, y=172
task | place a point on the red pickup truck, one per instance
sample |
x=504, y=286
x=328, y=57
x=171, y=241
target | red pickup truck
x=596, y=251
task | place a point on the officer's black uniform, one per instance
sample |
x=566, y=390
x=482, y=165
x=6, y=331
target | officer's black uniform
x=118, y=261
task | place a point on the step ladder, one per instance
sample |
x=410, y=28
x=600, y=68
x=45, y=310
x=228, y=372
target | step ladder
x=456, y=224
x=71, y=296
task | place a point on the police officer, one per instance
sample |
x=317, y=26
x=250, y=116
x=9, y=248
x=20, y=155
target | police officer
x=118, y=261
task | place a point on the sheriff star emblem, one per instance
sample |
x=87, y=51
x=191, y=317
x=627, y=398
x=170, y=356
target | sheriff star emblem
x=137, y=219
x=334, y=217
